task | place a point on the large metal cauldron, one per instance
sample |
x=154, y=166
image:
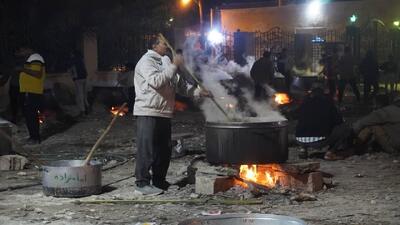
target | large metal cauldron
x=69, y=178
x=254, y=142
x=243, y=219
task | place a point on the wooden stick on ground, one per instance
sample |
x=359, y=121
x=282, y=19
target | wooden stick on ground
x=89, y=156
x=195, y=78
x=172, y=201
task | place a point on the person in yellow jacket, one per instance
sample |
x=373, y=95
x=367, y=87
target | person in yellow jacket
x=31, y=81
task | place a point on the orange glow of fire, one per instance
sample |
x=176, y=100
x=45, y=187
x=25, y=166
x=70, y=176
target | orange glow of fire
x=180, y=106
x=41, y=117
x=282, y=98
x=114, y=110
x=258, y=175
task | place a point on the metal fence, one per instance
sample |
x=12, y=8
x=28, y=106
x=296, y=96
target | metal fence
x=373, y=36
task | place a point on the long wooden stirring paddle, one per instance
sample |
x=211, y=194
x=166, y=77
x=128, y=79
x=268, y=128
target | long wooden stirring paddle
x=195, y=78
x=89, y=156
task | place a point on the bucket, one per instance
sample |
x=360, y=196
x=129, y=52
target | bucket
x=244, y=219
x=70, y=178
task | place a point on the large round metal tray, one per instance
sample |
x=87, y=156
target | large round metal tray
x=244, y=219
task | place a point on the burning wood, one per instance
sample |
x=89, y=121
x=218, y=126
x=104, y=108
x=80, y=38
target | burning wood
x=41, y=117
x=281, y=98
x=258, y=174
x=114, y=110
x=180, y=106
x=298, y=176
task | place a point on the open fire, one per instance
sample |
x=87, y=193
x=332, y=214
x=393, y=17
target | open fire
x=180, y=106
x=281, y=98
x=114, y=110
x=259, y=174
x=41, y=117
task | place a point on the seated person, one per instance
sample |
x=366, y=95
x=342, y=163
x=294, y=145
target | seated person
x=381, y=126
x=320, y=124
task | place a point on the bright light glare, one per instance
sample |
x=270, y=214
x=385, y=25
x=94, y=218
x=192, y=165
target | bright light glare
x=314, y=9
x=353, y=18
x=396, y=23
x=215, y=37
x=185, y=2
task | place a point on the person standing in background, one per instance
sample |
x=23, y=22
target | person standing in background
x=10, y=72
x=347, y=75
x=79, y=74
x=284, y=68
x=31, y=82
x=390, y=74
x=369, y=68
x=262, y=73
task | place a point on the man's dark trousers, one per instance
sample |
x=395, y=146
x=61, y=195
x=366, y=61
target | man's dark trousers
x=32, y=104
x=353, y=85
x=153, y=149
x=15, y=102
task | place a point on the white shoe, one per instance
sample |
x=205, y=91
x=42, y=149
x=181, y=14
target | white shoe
x=149, y=190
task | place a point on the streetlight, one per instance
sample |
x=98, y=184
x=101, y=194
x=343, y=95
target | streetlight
x=200, y=5
x=314, y=10
x=353, y=18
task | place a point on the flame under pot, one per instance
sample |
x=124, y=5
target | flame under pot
x=247, y=142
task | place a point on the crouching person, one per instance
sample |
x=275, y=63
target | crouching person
x=320, y=124
x=156, y=81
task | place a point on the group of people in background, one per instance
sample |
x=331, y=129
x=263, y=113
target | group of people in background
x=26, y=74
x=345, y=70
x=320, y=123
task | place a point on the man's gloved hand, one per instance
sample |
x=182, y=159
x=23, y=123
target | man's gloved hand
x=205, y=93
x=178, y=60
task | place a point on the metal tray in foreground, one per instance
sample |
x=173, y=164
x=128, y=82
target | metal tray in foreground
x=244, y=219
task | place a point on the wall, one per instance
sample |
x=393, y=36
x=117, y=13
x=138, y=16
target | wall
x=289, y=17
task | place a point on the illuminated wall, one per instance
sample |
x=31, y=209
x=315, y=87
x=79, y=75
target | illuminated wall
x=334, y=15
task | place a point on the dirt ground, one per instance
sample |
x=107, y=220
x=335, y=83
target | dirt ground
x=366, y=192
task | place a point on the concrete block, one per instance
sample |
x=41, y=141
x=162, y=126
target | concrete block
x=12, y=162
x=5, y=135
x=310, y=182
x=211, y=184
x=315, y=182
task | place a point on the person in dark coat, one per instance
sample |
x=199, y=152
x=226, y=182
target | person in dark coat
x=79, y=74
x=390, y=74
x=369, y=68
x=320, y=124
x=284, y=68
x=262, y=73
x=347, y=75
x=330, y=72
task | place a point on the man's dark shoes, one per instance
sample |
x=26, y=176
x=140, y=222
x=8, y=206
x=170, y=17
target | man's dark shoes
x=163, y=185
x=32, y=141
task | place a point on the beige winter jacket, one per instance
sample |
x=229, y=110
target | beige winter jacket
x=156, y=82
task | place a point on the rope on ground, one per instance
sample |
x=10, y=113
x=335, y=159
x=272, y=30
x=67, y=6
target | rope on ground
x=173, y=201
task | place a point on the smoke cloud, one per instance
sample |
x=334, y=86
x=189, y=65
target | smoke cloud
x=230, y=85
